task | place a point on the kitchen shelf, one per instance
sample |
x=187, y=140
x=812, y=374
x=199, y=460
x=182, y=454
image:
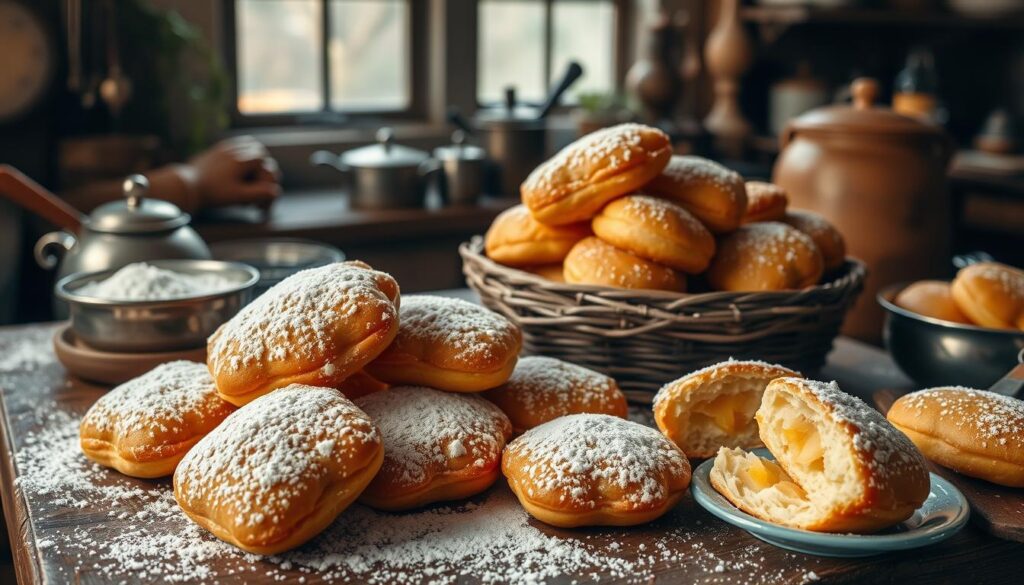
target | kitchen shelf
x=785, y=16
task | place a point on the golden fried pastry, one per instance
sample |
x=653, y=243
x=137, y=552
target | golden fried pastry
x=317, y=327
x=516, y=239
x=603, y=165
x=594, y=261
x=714, y=407
x=828, y=239
x=437, y=446
x=552, y=272
x=360, y=384
x=595, y=470
x=280, y=470
x=657, y=230
x=765, y=256
x=144, y=427
x=543, y=388
x=973, y=432
x=449, y=344
x=991, y=294
x=839, y=465
x=931, y=298
x=765, y=202
x=713, y=193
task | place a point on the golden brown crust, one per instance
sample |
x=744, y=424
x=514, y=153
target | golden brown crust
x=360, y=384
x=931, y=298
x=657, y=230
x=828, y=239
x=991, y=294
x=973, y=432
x=713, y=193
x=596, y=262
x=144, y=427
x=699, y=394
x=765, y=256
x=449, y=344
x=765, y=202
x=280, y=470
x=543, y=388
x=552, y=272
x=577, y=182
x=316, y=327
x=437, y=446
x=595, y=469
x=516, y=239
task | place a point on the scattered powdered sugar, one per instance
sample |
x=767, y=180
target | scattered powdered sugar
x=723, y=367
x=887, y=451
x=31, y=349
x=258, y=460
x=471, y=335
x=603, y=263
x=298, y=317
x=666, y=214
x=425, y=431
x=143, y=282
x=487, y=539
x=687, y=169
x=580, y=457
x=541, y=383
x=761, y=195
x=988, y=416
x=163, y=399
x=769, y=244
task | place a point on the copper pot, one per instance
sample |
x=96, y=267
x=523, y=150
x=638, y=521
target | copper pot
x=881, y=179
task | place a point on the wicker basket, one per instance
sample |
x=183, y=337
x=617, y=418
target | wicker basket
x=647, y=338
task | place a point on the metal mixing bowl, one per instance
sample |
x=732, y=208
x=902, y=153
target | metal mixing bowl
x=276, y=258
x=151, y=326
x=940, y=353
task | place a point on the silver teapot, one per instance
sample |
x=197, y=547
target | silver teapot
x=117, y=233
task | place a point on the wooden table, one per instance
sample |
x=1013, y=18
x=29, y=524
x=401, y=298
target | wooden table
x=59, y=534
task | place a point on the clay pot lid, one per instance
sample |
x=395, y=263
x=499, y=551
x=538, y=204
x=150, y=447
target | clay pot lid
x=863, y=117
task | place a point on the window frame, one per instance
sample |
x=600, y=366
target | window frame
x=416, y=80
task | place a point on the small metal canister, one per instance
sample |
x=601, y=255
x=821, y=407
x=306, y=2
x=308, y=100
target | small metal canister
x=464, y=169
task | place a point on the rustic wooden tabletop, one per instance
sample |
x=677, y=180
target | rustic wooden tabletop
x=71, y=521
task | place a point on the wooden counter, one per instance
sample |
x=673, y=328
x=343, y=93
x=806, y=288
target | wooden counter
x=74, y=522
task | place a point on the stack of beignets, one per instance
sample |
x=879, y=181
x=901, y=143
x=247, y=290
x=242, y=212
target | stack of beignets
x=986, y=294
x=652, y=216
x=839, y=465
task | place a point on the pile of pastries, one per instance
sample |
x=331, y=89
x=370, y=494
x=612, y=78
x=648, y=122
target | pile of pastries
x=616, y=208
x=986, y=294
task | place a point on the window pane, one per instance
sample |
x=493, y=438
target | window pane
x=511, y=50
x=585, y=32
x=369, y=54
x=279, y=59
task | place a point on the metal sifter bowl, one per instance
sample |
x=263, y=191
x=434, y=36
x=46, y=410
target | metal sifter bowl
x=158, y=325
x=939, y=353
x=276, y=258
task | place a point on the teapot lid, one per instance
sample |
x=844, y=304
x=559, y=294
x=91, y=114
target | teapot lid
x=136, y=213
x=862, y=117
x=385, y=153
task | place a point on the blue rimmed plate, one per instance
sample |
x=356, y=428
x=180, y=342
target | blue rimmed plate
x=941, y=516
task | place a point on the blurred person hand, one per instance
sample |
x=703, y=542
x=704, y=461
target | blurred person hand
x=236, y=171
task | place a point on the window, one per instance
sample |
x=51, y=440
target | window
x=322, y=56
x=527, y=44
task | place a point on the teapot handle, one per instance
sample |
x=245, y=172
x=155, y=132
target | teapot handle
x=45, y=251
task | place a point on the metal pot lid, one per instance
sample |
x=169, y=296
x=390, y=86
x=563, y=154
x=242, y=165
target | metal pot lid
x=459, y=149
x=384, y=154
x=863, y=117
x=136, y=213
x=502, y=116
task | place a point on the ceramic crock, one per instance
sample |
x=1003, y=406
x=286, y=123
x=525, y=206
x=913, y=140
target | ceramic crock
x=881, y=179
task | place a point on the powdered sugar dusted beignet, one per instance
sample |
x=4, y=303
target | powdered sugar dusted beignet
x=437, y=446
x=144, y=427
x=544, y=388
x=280, y=470
x=766, y=256
x=710, y=191
x=449, y=344
x=714, y=407
x=596, y=262
x=974, y=432
x=599, y=167
x=595, y=469
x=840, y=466
x=317, y=327
x=765, y=202
x=516, y=239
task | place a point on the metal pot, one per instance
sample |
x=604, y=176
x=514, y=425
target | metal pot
x=464, y=169
x=516, y=140
x=383, y=175
x=117, y=233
